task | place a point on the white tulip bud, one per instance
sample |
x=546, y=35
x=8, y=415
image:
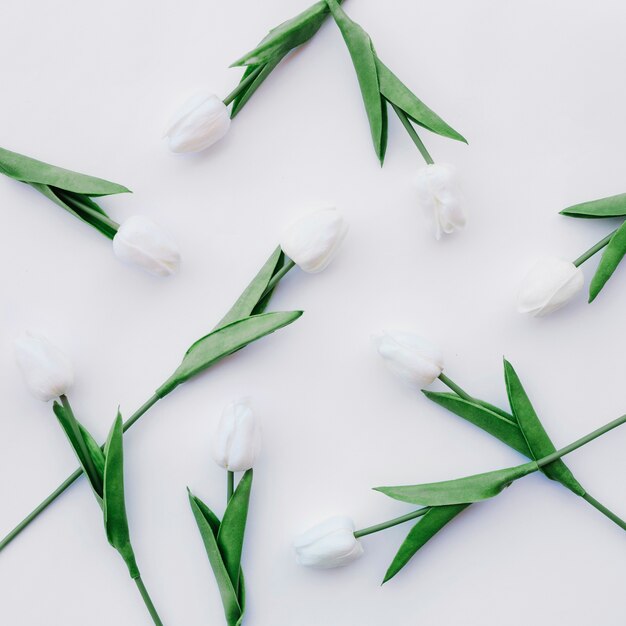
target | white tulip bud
x=47, y=371
x=312, y=240
x=438, y=195
x=329, y=544
x=139, y=241
x=202, y=121
x=410, y=357
x=549, y=285
x=237, y=440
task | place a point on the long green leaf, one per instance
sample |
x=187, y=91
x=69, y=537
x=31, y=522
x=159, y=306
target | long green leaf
x=73, y=429
x=484, y=417
x=251, y=295
x=242, y=98
x=232, y=529
x=462, y=490
x=206, y=524
x=537, y=438
x=364, y=60
x=613, y=206
x=115, y=519
x=29, y=170
x=394, y=90
x=422, y=531
x=611, y=258
x=224, y=341
x=286, y=36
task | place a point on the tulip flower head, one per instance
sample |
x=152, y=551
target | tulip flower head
x=237, y=439
x=312, y=241
x=139, y=241
x=549, y=285
x=202, y=121
x=410, y=357
x=47, y=371
x=438, y=195
x=329, y=544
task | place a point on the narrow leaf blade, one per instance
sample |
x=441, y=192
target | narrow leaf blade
x=268, y=67
x=394, y=90
x=613, y=206
x=537, y=438
x=461, y=490
x=422, y=532
x=611, y=258
x=28, y=170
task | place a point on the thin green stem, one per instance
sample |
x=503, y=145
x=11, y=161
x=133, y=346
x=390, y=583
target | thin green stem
x=72, y=200
x=392, y=522
x=243, y=85
x=581, y=442
x=406, y=122
x=280, y=274
x=68, y=481
x=454, y=387
x=585, y=256
x=598, y=505
x=148, y=601
x=230, y=485
x=94, y=476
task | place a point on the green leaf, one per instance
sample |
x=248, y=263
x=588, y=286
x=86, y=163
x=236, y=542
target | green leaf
x=29, y=170
x=224, y=341
x=611, y=258
x=537, y=438
x=422, y=531
x=206, y=521
x=85, y=445
x=613, y=206
x=115, y=520
x=286, y=36
x=489, y=418
x=242, y=98
x=461, y=490
x=364, y=59
x=251, y=295
x=232, y=529
x=394, y=90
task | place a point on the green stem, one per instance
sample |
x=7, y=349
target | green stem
x=94, y=476
x=230, y=485
x=585, y=256
x=392, y=522
x=598, y=505
x=148, y=601
x=406, y=122
x=454, y=387
x=68, y=481
x=72, y=200
x=278, y=276
x=243, y=85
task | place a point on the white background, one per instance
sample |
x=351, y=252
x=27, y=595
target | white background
x=537, y=88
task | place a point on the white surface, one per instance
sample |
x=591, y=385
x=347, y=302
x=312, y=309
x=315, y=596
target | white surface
x=538, y=90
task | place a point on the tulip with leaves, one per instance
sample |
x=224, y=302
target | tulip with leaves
x=553, y=282
x=138, y=240
x=204, y=119
x=49, y=374
x=244, y=323
x=235, y=448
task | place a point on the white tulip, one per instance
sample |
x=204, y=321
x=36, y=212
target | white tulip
x=549, y=285
x=139, y=241
x=438, y=195
x=237, y=440
x=410, y=357
x=329, y=544
x=202, y=121
x=312, y=240
x=47, y=371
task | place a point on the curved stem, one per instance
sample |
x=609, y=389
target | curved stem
x=243, y=85
x=406, y=122
x=454, y=387
x=148, y=601
x=69, y=480
x=585, y=256
x=392, y=522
